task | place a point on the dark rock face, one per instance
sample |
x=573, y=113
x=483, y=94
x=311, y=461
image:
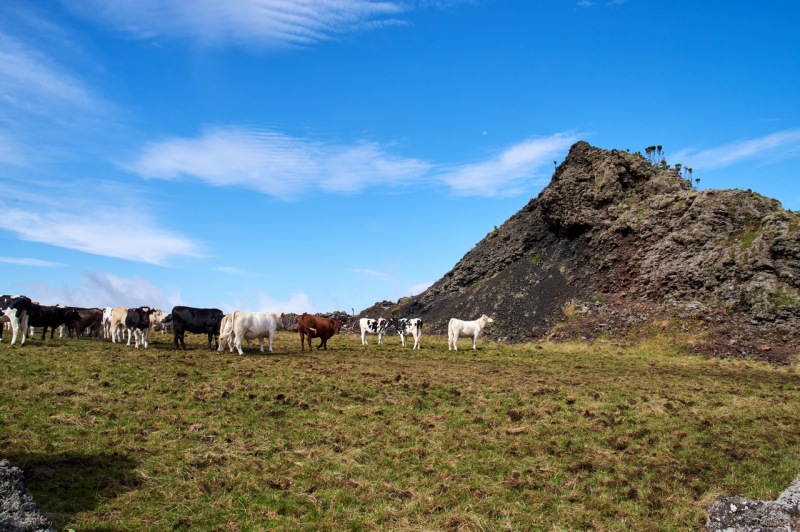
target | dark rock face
x=18, y=512
x=609, y=223
x=740, y=514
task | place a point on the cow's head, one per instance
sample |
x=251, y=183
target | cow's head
x=336, y=326
x=382, y=323
x=72, y=315
x=486, y=319
x=279, y=320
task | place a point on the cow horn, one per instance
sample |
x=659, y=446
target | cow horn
x=312, y=330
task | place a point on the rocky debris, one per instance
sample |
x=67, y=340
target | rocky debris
x=610, y=224
x=740, y=514
x=290, y=319
x=18, y=512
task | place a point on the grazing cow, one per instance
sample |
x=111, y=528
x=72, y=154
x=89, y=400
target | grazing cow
x=252, y=325
x=138, y=324
x=107, y=322
x=53, y=317
x=474, y=328
x=412, y=326
x=314, y=327
x=198, y=321
x=226, y=335
x=378, y=327
x=15, y=309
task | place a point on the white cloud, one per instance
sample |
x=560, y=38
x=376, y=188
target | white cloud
x=233, y=270
x=270, y=23
x=771, y=148
x=419, y=288
x=98, y=225
x=31, y=262
x=375, y=274
x=99, y=289
x=507, y=173
x=297, y=304
x=275, y=164
x=28, y=78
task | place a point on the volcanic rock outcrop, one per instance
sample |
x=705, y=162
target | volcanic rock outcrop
x=612, y=224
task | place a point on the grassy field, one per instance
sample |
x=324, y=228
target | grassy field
x=528, y=437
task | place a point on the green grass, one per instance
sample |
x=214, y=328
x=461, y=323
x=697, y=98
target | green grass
x=527, y=437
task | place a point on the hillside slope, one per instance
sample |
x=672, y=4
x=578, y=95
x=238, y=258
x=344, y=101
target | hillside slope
x=611, y=224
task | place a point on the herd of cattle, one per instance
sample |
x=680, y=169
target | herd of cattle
x=21, y=314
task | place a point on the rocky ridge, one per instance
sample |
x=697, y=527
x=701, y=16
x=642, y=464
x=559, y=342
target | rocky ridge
x=610, y=224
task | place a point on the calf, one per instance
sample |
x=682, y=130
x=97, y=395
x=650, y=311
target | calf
x=251, y=325
x=138, y=324
x=474, y=328
x=53, y=317
x=90, y=319
x=107, y=322
x=373, y=326
x=314, y=327
x=412, y=326
x=15, y=309
x=198, y=321
x=118, y=316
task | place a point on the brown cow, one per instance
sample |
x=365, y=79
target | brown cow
x=91, y=319
x=314, y=327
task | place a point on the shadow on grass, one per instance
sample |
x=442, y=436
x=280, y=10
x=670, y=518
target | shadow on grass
x=66, y=484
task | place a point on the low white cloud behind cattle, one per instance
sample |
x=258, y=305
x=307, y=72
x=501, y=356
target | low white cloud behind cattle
x=412, y=326
x=251, y=325
x=466, y=328
x=369, y=326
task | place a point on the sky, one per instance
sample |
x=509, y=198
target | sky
x=317, y=155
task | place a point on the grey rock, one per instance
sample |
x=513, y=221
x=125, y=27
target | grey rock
x=740, y=514
x=18, y=512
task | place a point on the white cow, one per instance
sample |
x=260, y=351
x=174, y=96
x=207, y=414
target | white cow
x=118, y=315
x=249, y=325
x=412, y=326
x=458, y=327
x=107, y=322
x=374, y=327
x=226, y=334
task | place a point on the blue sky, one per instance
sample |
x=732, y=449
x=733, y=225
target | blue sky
x=326, y=154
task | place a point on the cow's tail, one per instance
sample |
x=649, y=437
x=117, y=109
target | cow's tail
x=231, y=332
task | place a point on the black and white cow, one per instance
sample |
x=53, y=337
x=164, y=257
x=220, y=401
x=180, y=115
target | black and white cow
x=138, y=322
x=198, y=321
x=53, y=317
x=15, y=309
x=412, y=326
x=369, y=326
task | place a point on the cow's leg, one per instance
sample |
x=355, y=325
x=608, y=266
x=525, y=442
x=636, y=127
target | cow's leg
x=209, y=341
x=417, y=338
x=302, y=345
x=238, y=343
x=449, y=340
x=455, y=340
x=380, y=338
x=175, y=337
x=14, y=328
x=261, y=342
x=146, y=333
x=271, y=335
x=364, y=338
x=129, y=336
x=475, y=341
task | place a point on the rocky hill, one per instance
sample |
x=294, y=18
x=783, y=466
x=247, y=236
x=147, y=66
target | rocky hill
x=611, y=225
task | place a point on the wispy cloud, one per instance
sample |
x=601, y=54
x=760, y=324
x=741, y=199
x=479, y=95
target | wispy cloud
x=233, y=270
x=275, y=164
x=270, y=23
x=31, y=262
x=507, y=173
x=100, y=289
x=769, y=149
x=99, y=225
x=375, y=274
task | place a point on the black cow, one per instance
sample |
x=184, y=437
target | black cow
x=45, y=316
x=15, y=309
x=138, y=323
x=198, y=321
